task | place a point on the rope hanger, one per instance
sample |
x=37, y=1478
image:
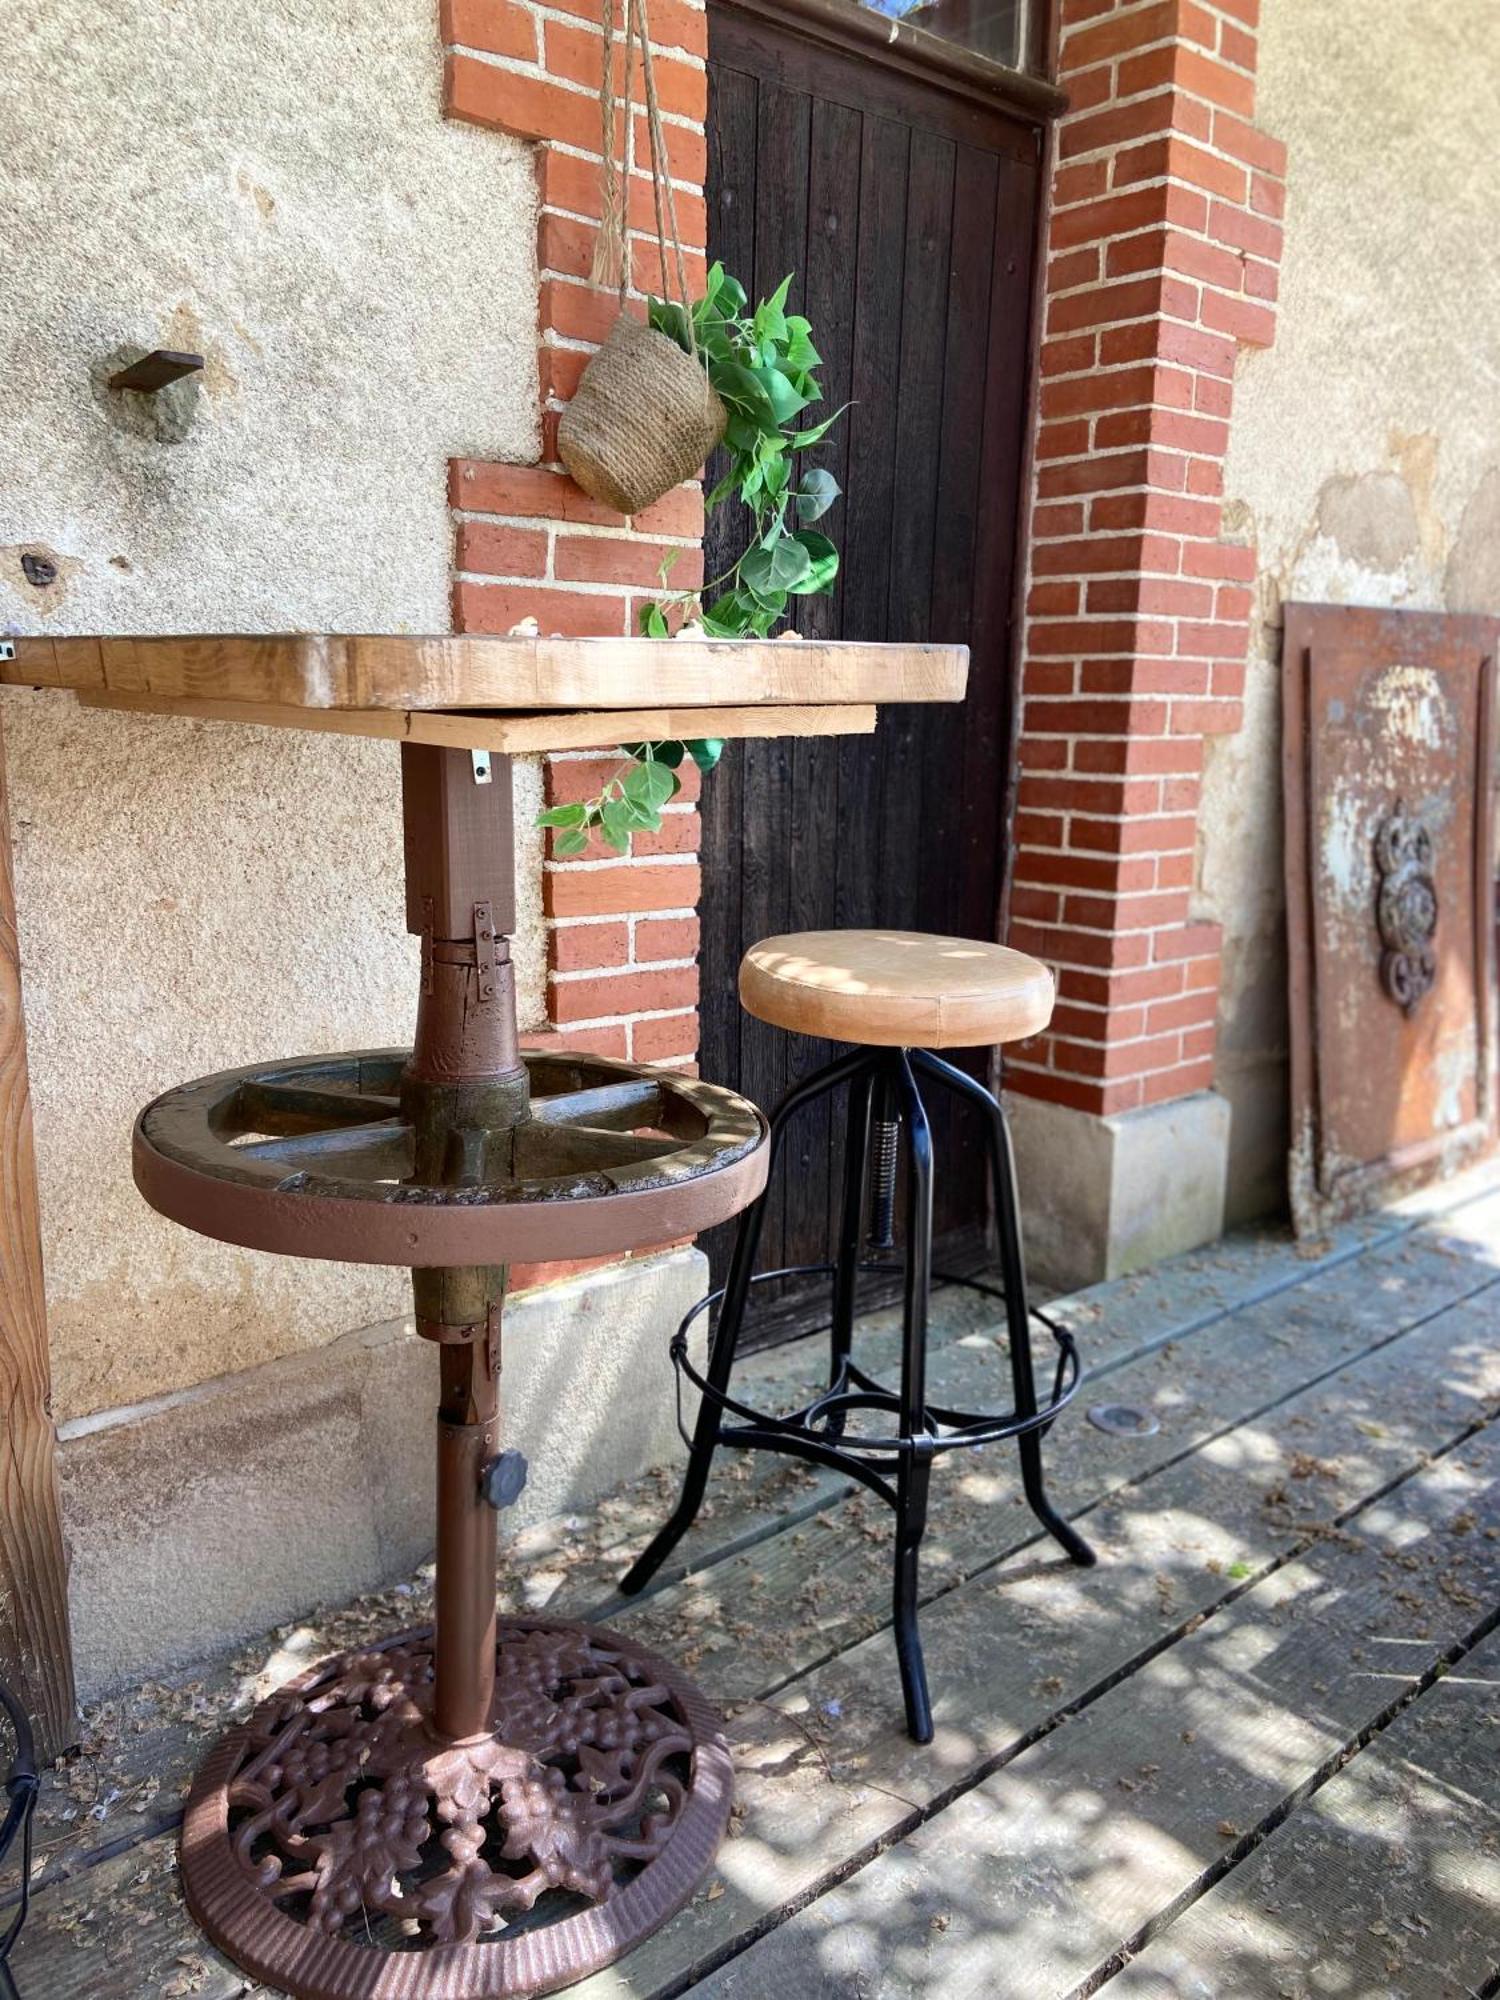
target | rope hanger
x=612, y=252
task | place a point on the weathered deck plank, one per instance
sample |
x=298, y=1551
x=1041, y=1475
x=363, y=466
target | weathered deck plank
x=1385, y=1883
x=1023, y=1887
x=825, y=1775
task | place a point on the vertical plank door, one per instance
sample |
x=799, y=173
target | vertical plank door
x=907, y=211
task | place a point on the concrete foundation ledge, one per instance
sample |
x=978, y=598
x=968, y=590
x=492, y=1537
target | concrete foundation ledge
x=199, y=1518
x=1102, y=1196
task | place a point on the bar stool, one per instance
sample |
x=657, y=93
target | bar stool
x=896, y=995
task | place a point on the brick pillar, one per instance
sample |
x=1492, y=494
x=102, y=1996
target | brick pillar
x=622, y=932
x=1163, y=244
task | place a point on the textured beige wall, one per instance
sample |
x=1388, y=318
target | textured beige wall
x=269, y=181
x=1365, y=457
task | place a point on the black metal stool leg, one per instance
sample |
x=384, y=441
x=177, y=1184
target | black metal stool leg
x=727, y=1329
x=1017, y=1311
x=915, y=1470
x=851, y=1234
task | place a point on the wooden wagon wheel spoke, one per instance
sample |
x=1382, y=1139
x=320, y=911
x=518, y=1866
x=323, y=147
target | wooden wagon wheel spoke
x=549, y=1152
x=268, y=1106
x=613, y=1107
x=382, y=1149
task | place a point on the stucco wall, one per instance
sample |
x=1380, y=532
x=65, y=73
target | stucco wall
x=1365, y=454
x=270, y=182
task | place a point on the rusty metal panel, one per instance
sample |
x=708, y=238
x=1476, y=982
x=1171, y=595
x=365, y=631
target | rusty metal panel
x=1388, y=719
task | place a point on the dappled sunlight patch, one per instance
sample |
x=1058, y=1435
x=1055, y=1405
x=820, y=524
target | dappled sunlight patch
x=298, y=1649
x=1251, y=1448
x=1237, y=1725
x=1474, y=1876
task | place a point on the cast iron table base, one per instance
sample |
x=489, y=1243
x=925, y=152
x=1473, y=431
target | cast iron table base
x=491, y=1808
x=341, y=1846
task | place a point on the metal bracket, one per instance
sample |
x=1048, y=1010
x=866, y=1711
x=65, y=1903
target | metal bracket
x=480, y=759
x=155, y=370
x=427, y=945
x=7, y=649
x=484, y=950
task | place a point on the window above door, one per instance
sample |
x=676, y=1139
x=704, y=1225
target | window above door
x=1005, y=32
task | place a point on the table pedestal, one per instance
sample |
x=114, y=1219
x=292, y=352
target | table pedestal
x=482, y=1809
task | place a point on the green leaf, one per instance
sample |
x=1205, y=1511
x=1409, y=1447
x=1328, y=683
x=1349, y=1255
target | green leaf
x=728, y=293
x=653, y=622
x=769, y=323
x=617, y=823
x=715, y=341
x=778, y=471
x=671, y=753
x=573, y=842
x=649, y=783
x=728, y=616
x=563, y=816
x=800, y=352
x=722, y=491
x=801, y=440
x=744, y=391
x=669, y=318
x=741, y=435
x=777, y=569
x=816, y=494
x=706, y=752
x=823, y=564
x=785, y=400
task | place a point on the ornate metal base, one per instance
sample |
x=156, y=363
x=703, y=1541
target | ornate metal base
x=336, y=1846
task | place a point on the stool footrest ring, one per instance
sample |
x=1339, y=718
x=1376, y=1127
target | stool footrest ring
x=815, y=1431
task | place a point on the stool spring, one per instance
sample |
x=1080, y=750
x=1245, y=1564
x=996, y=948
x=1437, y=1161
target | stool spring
x=886, y=1134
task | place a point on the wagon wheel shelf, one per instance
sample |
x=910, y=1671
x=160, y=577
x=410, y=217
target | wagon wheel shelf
x=317, y=1158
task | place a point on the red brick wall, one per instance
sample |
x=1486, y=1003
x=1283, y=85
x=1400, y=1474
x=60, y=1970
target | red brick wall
x=1163, y=245
x=622, y=933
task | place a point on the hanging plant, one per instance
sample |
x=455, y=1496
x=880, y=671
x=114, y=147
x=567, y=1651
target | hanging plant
x=644, y=415
x=761, y=366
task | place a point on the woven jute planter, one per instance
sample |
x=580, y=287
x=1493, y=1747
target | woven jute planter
x=643, y=419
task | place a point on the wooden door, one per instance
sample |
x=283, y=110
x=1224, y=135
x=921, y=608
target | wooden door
x=908, y=213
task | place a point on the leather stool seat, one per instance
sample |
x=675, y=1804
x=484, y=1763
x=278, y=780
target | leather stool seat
x=896, y=989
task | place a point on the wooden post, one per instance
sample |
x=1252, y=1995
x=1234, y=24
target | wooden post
x=36, y=1658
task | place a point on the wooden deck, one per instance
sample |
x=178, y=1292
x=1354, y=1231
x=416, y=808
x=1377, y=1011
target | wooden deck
x=1254, y=1755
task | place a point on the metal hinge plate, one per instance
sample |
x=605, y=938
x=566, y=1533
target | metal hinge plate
x=484, y=950
x=427, y=944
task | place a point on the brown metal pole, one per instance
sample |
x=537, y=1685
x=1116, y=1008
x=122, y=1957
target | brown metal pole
x=465, y=1092
x=464, y=1612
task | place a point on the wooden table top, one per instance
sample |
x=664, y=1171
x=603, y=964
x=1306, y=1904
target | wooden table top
x=499, y=694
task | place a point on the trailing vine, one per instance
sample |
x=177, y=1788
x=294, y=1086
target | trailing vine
x=763, y=366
